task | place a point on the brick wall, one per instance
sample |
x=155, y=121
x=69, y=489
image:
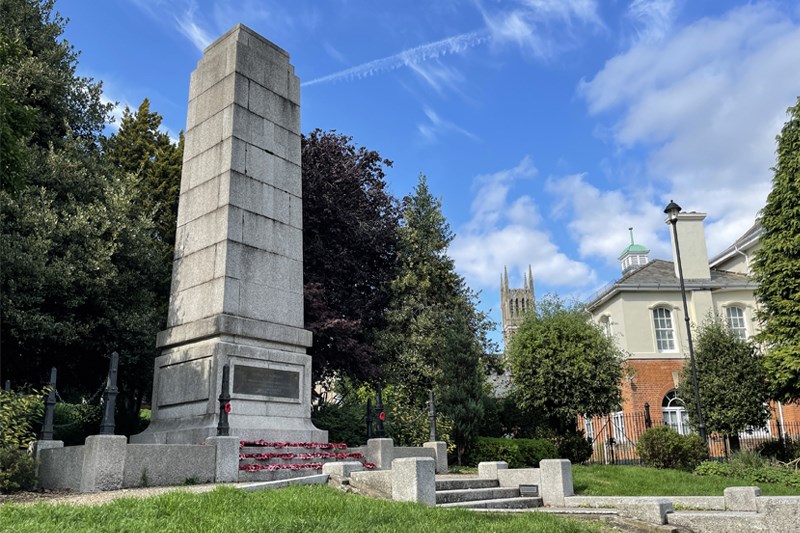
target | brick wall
x=651, y=379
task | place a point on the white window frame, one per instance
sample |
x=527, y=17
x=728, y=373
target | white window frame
x=657, y=327
x=588, y=428
x=618, y=427
x=739, y=328
x=674, y=413
x=606, y=326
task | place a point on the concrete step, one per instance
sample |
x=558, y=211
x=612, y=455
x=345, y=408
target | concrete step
x=501, y=503
x=579, y=511
x=718, y=521
x=466, y=483
x=466, y=495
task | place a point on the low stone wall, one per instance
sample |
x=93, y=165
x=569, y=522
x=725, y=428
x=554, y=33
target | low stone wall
x=107, y=462
x=382, y=452
x=60, y=468
x=401, y=452
x=739, y=510
x=168, y=464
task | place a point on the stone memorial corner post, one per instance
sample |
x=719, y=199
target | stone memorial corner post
x=237, y=279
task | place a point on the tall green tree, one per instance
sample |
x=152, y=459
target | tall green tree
x=79, y=254
x=731, y=380
x=42, y=101
x=140, y=148
x=435, y=338
x=777, y=266
x=350, y=225
x=150, y=163
x=563, y=366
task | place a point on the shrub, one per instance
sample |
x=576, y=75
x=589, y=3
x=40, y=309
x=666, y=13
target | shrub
x=17, y=470
x=573, y=446
x=73, y=422
x=344, y=421
x=663, y=447
x=518, y=453
x=784, y=450
x=20, y=414
x=752, y=474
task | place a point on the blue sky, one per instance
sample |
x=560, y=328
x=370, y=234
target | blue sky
x=547, y=127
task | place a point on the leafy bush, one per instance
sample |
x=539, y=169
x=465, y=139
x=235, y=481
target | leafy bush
x=344, y=421
x=751, y=474
x=73, y=422
x=663, y=447
x=17, y=470
x=518, y=453
x=20, y=414
x=780, y=449
x=573, y=446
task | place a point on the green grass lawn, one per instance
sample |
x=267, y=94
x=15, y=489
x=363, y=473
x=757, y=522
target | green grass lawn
x=612, y=480
x=299, y=509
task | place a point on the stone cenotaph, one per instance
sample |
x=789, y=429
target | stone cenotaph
x=237, y=279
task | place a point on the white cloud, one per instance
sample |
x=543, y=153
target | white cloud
x=504, y=232
x=189, y=28
x=599, y=220
x=541, y=27
x=704, y=105
x=652, y=19
x=437, y=126
x=438, y=75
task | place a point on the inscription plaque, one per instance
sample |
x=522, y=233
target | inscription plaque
x=266, y=382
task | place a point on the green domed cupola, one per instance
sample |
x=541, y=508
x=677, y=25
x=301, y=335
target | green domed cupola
x=633, y=256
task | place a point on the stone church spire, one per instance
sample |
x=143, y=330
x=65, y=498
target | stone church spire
x=515, y=303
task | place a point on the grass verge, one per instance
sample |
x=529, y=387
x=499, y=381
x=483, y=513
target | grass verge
x=294, y=509
x=613, y=480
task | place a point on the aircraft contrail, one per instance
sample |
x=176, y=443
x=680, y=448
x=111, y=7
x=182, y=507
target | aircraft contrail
x=418, y=54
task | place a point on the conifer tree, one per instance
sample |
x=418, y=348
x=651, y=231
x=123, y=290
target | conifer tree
x=435, y=338
x=777, y=266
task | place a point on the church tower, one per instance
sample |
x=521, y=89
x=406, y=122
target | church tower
x=515, y=303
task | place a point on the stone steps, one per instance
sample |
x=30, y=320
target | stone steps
x=521, y=502
x=466, y=483
x=479, y=493
x=468, y=495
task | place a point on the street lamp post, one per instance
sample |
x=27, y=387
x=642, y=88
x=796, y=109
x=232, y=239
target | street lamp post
x=672, y=211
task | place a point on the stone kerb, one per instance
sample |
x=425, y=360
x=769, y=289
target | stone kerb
x=414, y=480
x=556, y=475
x=488, y=469
x=440, y=449
x=103, y=463
x=741, y=498
x=380, y=452
x=342, y=469
x=226, y=458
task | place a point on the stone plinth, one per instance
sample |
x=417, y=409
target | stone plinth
x=237, y=281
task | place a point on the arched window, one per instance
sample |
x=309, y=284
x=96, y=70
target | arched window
x=674, y=412
x=665, y=335
x=605, y=325
x=736, y=322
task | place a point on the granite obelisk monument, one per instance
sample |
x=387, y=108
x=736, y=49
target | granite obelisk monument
x=237, y=280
